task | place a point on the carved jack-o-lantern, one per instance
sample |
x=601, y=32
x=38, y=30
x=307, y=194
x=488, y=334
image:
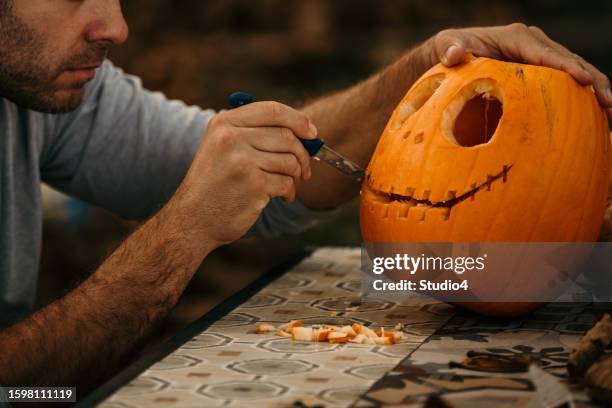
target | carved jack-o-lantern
x=489, y=151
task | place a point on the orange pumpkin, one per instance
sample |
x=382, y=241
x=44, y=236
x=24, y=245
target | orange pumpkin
x=490, y=151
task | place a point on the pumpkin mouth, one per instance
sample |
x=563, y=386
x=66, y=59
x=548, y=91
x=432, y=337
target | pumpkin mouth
x=453, y=199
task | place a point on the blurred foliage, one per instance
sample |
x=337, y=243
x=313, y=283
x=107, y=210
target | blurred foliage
x=201, y=51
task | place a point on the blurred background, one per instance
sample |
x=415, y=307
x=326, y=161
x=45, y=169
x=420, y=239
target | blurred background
x=200, y=51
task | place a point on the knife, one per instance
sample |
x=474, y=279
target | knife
x=316, y=148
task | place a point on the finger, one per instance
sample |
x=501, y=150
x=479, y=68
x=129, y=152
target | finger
x=599, y=80
x=451, y=46
x=280, y=140
x=545, y=55
x=536, y=48
x=587, y=77
x=609, y=112
x=455, y=54
x=272, y=114
x=285, y=164
x=278, y=185
x=601, y=85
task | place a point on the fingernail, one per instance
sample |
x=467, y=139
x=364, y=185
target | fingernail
x=447, y=54
x=313, y=129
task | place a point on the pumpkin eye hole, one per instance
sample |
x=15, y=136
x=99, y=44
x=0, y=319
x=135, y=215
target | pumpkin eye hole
x=472, y=118
x=477, y=121
x=417, y=98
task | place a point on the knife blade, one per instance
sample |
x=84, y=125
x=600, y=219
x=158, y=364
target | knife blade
x=316, y=148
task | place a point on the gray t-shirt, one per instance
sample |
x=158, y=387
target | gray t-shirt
x=125, y=149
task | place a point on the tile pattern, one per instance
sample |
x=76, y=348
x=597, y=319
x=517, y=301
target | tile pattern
x=226, y=365
x=547, y=336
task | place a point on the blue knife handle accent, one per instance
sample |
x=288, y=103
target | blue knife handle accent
x=238, y=99
x=312, y=146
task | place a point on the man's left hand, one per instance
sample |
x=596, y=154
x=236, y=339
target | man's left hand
x=519, y=43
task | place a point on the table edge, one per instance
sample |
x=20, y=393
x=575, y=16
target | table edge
x=182, y=336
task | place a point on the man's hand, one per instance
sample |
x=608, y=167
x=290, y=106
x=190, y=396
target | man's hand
x=352, y=120
x=248, y=156
x=520, y=43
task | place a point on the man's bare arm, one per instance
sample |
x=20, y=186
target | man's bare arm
x=90, y=330
x=247, y=157
x=351, y=121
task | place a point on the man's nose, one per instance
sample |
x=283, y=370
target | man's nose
x=109, y=24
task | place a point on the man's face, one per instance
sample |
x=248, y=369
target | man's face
x=49, y=49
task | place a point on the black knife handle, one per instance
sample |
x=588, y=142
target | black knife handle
x=238, y=99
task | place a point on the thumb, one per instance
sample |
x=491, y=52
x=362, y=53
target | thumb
x=453, y=55
x=450, y=47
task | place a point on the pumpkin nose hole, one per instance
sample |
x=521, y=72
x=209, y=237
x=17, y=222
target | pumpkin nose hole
x=477, y=121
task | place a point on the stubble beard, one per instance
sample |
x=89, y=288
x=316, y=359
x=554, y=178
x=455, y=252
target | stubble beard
x=28, y=78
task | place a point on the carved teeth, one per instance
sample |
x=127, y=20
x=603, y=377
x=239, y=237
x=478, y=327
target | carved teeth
x=421, y=215
x=445, y=214
x=417, y=213
x=404, y=208
x=437, y=213
x=473, y=186
x=490, y=179
x=505, y=171
x=410, y=203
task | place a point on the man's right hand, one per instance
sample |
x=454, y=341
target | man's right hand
x=248, y=156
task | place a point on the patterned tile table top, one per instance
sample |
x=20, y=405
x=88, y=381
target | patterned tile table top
x=228, y=365
x=547, y=337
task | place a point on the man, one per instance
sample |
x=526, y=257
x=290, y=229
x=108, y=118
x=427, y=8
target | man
x=72, y=120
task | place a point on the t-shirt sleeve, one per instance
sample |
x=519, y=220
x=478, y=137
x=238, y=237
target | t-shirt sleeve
x=127, y=149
